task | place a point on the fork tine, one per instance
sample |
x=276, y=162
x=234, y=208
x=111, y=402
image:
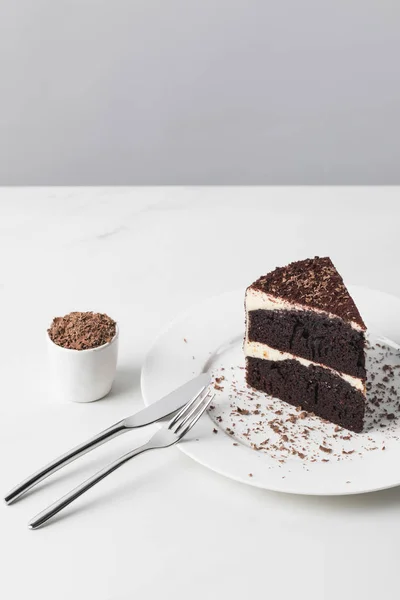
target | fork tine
x=185, y=408
x=193, y=409
x=200, y=410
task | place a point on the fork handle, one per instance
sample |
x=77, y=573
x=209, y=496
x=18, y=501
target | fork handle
x=57, y=506
x=65, y=459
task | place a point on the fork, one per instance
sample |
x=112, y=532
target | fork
x=167, y=436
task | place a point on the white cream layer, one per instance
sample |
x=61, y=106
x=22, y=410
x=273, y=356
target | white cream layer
x=257, y=350
x=258, y=300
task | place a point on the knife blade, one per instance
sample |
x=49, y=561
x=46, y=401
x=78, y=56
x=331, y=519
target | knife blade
x=155, y=412
x=170, y=403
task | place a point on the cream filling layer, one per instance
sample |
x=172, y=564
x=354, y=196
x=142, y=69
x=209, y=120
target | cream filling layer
x=258, y=300
x=257, y=350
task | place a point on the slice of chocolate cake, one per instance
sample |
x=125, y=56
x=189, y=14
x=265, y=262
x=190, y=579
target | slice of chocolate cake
x=305, y=341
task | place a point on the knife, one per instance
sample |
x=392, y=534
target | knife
x=155, y=412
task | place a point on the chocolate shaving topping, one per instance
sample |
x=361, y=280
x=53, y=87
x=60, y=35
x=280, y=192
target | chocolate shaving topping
x=82, y=330
x=313, y=282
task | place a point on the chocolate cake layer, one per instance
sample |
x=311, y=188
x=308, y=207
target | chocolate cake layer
x=315, y=389
x=310, y=335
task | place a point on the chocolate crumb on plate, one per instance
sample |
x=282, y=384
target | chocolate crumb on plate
x=325, y=449
x=284, y=434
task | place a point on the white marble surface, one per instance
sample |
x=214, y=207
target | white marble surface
x=163, y=524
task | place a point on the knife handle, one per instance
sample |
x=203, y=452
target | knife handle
x=65, y=459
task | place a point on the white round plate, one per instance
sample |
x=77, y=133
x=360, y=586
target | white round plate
x=294, y=452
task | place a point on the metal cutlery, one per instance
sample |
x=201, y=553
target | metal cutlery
x=170, y=434
x=155, y=412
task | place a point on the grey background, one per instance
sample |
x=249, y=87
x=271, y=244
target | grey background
x=199, y=92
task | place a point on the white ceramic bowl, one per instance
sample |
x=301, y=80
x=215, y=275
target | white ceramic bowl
x=83, y=375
